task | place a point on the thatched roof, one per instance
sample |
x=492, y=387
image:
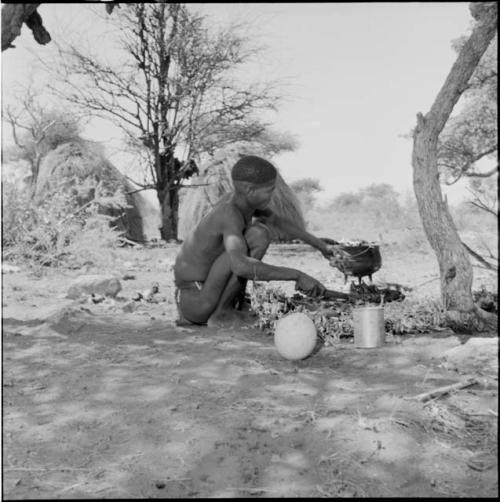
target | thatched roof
x=84, y=160
x=216, y=178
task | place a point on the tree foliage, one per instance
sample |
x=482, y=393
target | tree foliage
x=375, y=212
x=379, y=199
x=38, y=129
x=306, y=189
x=472, y=134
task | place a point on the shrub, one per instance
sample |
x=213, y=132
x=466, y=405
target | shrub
x=59, y=230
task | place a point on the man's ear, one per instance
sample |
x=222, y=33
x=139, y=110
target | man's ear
x=243, y=187
x=250, y=189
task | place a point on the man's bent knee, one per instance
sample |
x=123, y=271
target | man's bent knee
x=194, y=308
x=258, y=237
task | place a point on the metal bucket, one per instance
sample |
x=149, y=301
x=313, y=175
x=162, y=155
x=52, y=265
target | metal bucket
x=369, y=327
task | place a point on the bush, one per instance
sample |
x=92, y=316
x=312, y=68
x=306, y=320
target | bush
x=16, y=212
x=59, y=230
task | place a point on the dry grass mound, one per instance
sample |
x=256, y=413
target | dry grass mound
x=85, y=162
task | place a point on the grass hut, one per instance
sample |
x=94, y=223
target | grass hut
x=85, y=163
x=215, y=181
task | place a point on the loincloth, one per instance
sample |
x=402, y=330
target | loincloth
x=189, y=285
x=181, y=286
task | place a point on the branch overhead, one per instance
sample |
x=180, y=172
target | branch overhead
x=482, y=10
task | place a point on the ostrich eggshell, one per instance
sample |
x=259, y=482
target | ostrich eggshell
x=295, y=336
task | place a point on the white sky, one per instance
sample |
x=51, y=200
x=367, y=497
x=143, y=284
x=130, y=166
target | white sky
x=358, y=73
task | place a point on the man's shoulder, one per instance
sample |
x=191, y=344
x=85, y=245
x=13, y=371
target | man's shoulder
x=226, y=212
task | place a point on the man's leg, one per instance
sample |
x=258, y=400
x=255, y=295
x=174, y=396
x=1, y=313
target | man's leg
x=216, y=298
x=258, y=238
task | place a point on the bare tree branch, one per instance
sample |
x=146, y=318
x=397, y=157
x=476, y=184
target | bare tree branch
x=483, y=207
x=14, y=15
x=487, y=174
x=479, y=258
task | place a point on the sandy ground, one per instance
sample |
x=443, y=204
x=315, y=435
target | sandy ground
x=103, y=402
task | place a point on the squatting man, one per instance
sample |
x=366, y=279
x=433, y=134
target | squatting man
x=226, y=249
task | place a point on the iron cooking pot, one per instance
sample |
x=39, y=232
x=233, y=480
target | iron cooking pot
x=365, y=259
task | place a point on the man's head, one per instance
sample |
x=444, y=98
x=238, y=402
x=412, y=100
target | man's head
x=254, y=170
x=255, y=178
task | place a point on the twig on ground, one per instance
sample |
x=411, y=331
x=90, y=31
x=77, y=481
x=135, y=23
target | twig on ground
x=427, y=282
x=445, y=390
x=68, y=488
x=379, y=447
x=128, y=241
x=44, y=469
x=324, y=492
x=257, y=489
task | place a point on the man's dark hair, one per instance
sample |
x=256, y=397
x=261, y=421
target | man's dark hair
x=253, y=169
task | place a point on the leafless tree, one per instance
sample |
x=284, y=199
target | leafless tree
x=37, y=129
x=174, y=93
x=455, y=267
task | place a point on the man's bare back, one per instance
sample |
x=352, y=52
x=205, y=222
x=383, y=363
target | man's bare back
x=203, y=246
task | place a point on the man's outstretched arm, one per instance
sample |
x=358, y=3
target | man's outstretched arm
x=251, y=268
x=329, y=251
x=295, y=232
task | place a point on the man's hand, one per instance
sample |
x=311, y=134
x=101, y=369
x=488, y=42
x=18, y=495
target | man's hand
x=335, y=254
x=309, y=285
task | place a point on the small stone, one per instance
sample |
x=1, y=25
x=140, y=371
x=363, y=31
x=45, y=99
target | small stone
x=129, y=306
x=107, y=285
x=160, y=484
x=97, y=298
x=10, y=269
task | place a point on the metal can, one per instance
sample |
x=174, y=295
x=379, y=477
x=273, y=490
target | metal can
x=369, y=327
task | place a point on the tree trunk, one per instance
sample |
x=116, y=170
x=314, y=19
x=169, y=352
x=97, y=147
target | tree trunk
x=169, y=201
x=168, y=193
x=454, y=265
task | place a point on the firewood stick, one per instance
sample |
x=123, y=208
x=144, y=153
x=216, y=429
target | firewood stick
x=445, y=390
x=330, y=294
x=128, y=241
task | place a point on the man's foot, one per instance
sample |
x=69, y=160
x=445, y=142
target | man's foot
x=243, y=303
x=231, y=319
x=246, y=308
x=182, y=321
